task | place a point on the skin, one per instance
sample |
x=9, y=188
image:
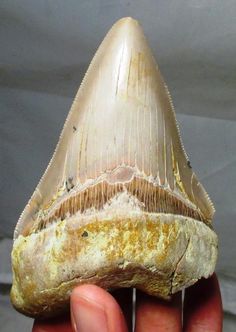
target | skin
x=94, y=309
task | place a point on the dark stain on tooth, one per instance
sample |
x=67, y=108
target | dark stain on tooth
x=74, y=128
x=85, y=234
x=69, y=184
x=189, y=165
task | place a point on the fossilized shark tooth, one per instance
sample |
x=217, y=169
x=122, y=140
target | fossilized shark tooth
x=119, y=204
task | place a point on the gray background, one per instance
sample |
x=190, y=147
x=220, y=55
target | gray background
x=45, y=48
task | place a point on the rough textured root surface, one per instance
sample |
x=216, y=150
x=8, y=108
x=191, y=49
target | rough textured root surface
x=158, y=253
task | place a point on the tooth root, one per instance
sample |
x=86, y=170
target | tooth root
x=123, y=116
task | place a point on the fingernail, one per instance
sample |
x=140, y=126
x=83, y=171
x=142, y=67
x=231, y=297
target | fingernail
x=88, y=316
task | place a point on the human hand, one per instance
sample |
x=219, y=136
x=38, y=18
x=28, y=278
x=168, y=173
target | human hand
x=94, y=309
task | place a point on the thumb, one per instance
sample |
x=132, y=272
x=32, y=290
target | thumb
x=94, y=309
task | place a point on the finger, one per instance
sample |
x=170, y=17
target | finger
x=124, y=298
x=59, y=324
x=94, y=309
x=203, y=307
x=153, y=314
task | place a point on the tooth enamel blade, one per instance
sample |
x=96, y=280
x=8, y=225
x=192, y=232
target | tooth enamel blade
x=122, y=116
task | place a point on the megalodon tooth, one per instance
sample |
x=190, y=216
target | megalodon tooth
x=119, y=204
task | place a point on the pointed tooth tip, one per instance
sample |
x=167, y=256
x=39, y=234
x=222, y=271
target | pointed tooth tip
x=128, y=21
x=127, y=24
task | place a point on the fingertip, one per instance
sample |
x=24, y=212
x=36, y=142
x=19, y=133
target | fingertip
x=154, y=314
x=92, y=301
x=203, y=306
x=92, y=293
